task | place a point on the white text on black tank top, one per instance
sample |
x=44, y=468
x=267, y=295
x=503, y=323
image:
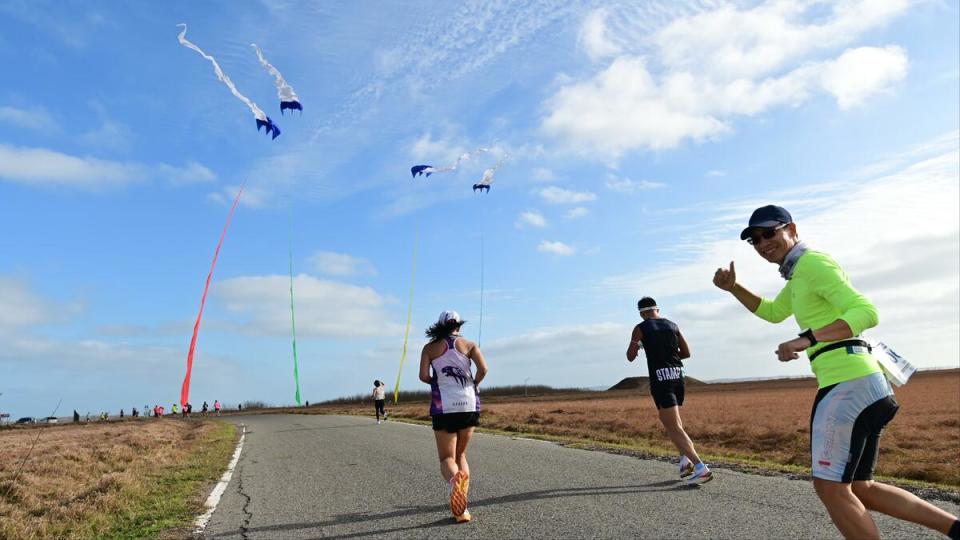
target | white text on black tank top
x=669, y=373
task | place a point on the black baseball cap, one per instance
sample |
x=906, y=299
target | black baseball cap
x=766, y=217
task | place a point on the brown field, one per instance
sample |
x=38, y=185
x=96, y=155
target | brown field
x=111, y=479
x=765, y=421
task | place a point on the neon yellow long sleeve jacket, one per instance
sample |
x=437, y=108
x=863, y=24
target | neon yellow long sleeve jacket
x=818, y=294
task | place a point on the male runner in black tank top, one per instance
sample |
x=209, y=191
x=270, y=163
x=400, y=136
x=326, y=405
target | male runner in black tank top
x=665, y=348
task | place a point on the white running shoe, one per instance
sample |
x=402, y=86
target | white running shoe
x=701, y=474
x=378, y=422
x=686, y=467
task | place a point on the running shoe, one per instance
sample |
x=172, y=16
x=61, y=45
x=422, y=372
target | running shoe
x=458, y=493
x=686, y=467
x=701, y=474
x=464, y=517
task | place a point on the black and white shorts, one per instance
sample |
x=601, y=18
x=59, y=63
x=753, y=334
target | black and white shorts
x=845, y=427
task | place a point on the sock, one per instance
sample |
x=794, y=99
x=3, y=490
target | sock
x=954, y=533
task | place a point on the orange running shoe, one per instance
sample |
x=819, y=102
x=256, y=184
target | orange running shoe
x=458, y=494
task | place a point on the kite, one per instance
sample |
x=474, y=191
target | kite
x=288, y=98
x=484, y=183
x=185, y=390
x=427, y=170
x=263, y=121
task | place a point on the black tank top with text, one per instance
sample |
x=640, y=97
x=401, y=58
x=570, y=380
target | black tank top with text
x=662, y=347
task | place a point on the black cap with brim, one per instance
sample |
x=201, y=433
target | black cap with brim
x=766, y=217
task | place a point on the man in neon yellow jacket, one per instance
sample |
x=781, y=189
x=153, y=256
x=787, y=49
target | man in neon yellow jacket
x=854, y=401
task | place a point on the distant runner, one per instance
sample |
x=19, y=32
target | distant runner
x=855, y=401
x=379, y=398
x=666, y=349
x=455, y=405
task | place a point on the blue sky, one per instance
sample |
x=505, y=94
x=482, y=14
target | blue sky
x=638, y=137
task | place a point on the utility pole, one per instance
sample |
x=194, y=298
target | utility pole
x=525, y=386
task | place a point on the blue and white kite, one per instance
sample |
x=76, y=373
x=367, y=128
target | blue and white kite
x=288, y=98
x=487, y=179
x=263, y=121
x=427, y=170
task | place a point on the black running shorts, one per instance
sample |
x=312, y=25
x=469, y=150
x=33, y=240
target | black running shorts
x=667, y=394
x=454, y=422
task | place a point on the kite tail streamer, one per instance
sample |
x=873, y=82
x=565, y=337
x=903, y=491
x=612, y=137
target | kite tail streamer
x=480, y=324
x=406, y=334
x=293, y=320
x=284, y=91
x=224, y=78
x=185, y=389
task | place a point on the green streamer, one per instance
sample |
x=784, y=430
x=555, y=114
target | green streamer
x=406, y=334
x=293, y=319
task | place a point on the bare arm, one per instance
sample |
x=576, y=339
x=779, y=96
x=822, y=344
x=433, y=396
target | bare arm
x=726, y=279
x=425, y=364
x=684, y=348
x=634, y=348
x=477, y=356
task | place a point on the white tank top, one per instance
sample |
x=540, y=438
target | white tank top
x=452, y=382
x=378, y=393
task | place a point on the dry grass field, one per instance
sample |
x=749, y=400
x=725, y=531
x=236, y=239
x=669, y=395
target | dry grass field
x=111, y=479
x=765, y=421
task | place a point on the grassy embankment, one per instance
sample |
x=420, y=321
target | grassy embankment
x=757, y=423
x=129, y=479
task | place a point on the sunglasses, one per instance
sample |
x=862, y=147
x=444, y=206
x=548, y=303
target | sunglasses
x=766, y=234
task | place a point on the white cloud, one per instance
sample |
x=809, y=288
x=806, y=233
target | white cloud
x=860, y=73
x=531, y=218
x=593, y=36
x=35, y=118
x=426, y=147
x=541, y=174
x=21, y=307
x=625, y=185
x=557, y=248
x=192, y=173
x=716, y=173
x=109, y=134
x=39, y=166
x=44, y=167
x=714, y=66
x=323, y=307
x=253, y=196
x=341, y=264
x=556, y=195
x=576, y=213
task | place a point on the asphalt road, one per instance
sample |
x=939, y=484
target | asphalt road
x=305, y=476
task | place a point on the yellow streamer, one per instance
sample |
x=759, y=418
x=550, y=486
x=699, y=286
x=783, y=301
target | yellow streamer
x=406, y=334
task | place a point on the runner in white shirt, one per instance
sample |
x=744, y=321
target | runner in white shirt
x=379, y=397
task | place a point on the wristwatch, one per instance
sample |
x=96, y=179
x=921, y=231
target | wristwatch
x=808, y=333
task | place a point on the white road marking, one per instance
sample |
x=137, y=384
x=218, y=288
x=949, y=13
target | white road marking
x=201, y=522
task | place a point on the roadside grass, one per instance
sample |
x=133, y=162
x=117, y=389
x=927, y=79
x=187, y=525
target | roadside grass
x=131, y=479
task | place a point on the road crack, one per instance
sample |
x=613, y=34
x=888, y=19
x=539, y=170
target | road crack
x=247, y=515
